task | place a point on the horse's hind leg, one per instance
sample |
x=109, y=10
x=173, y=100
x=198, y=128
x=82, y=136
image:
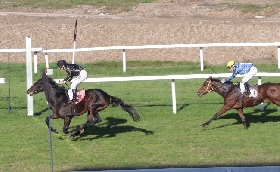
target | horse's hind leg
x=97, y=118
x=241, y=114
x=79, y=130
x=96, y=107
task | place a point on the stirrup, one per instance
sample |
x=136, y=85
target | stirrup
x=247, y=92
x=72, y=101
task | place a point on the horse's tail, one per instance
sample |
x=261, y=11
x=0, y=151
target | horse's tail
x=128, y=108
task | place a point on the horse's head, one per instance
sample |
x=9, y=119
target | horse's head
x=37, y=87
x=209, y=85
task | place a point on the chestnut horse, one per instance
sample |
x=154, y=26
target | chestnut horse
x=95, y=100
x=234, y=99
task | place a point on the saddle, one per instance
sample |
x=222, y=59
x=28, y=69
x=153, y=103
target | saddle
x=80, y=95
x=253, y=90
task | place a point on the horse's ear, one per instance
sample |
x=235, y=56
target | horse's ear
x=210, y=78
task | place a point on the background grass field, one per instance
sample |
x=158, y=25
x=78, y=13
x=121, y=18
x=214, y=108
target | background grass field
x=160, y=140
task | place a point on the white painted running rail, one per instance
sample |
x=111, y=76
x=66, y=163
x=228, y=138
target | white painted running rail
x=2, y=80
x=123, y=48
x=172, y=78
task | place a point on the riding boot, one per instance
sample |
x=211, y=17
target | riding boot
x=247, y=90
x=74, y=91
x=74, y=95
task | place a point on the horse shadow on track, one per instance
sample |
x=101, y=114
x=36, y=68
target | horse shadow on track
x=251, y=118
x=181, y=106
x=41, y=112
x=110, y=129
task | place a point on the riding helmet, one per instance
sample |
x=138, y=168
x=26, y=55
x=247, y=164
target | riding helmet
x=230, y=63
x=61, y=63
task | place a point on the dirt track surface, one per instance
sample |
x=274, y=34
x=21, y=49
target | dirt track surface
x=176, y=22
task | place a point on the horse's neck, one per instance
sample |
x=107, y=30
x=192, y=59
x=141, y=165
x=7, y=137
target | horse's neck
x=222, y=89
x=57, y=94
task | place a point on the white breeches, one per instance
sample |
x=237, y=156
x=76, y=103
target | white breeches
x=253, y=71
x=75, y=82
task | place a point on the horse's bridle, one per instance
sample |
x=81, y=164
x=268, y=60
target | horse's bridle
x=210, y=86
x=37, y=89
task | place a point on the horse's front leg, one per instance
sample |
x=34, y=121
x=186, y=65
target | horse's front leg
x=221, y=111
x=241, y=114
x=67, y=121
x=48, y=118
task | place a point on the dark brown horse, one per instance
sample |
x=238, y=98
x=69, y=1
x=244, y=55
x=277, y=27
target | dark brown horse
x=95, y=100
x=233, y=99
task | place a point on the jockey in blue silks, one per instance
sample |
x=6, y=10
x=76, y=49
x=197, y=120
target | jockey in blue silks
x=242, y=68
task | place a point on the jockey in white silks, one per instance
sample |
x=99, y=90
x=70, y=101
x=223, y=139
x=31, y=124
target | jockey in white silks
x=72, y=70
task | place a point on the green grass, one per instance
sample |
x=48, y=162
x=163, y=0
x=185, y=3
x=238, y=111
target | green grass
x=160, y=140
x=110, y=5
x=252, y=8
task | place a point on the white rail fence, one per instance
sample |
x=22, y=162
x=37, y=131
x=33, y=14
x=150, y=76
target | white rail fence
x=173, y=78
x=28, y=50
x=201, y=46
x=2, y=80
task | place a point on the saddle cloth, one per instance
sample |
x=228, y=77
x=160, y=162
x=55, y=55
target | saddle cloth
x=80, y=95
x=253, y=91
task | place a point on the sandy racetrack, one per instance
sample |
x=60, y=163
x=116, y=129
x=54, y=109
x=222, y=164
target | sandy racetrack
x=179, y=22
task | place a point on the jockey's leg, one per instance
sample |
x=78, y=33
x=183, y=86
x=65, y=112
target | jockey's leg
x=74, y=95
x=242, y=87
x=70, y=94
x=73, y=89
x=247, y=88
x=253, y=71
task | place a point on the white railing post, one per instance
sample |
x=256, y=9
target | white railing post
x=47, y=60
x=278, y=53
x=124, y=61
x=173, y=96
x=29, y=79
x=260, y=83
x=201, y=58
x=35, y=61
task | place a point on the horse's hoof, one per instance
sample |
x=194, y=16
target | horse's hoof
x=55, y=131
x=72, y=137
x=73, y=131
x=202, y=125
x=97, y=120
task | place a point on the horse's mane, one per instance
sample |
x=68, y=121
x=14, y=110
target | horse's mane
x=216, y=80
x=228, y=83
x=55, y=85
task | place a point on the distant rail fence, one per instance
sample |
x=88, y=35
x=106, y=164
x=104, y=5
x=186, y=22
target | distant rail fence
x=28, y=50
x=201, y=46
